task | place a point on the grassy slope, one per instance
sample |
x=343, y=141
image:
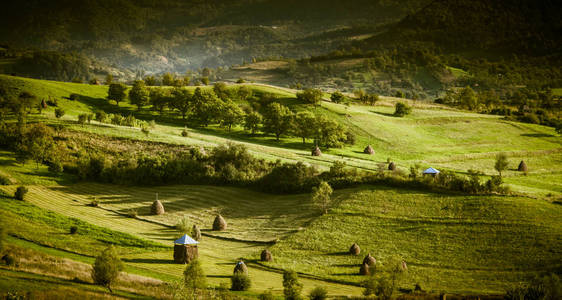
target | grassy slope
x=463, y=244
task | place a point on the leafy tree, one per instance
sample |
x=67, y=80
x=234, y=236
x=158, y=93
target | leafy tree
x=231, y=115
x=106, y=268
x=139, y=94
x=252, y=121
x=160, y=99
x=150, y=80
x=244, y=92
x=501, y=163
x=40, y=143
x=330, y=133
x=221, y=90
x=205, y=80
x=180, y=100
x=278, y=119
x=468, y=99
x=372, y=99
x=168, y=79
x=116, y=92
x=305, y=125
x=207, y=107
x=384, y=284
x=82, y=118
x=337, y=97
x=322, y=196
x=311, y=96
x=361, y=95
x=401, y=109
x=291, y=286
x=194, y=277
x=101, y=116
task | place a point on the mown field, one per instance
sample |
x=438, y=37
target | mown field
x=451, y=242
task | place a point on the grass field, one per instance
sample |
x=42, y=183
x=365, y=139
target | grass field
x=454, y=243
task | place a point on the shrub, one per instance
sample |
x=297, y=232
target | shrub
x=402, y=109
x=183, y=226
x=82, y=118
x=240, y=80
x=318, y=293
x=132, y=213
x=20, y=192
x=267, y=295
x=106, y=268
x=240, y=282
x=291, y=286
x=184, y=132
x=59, y=112
x=74, y=97
x=9, y=260
x=101, y=116
x=4, y=180
x=194, y=276
x=73, y=229
x=55, y=166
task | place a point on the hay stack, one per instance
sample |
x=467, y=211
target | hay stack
x=354, y=250
x=157, y=208
x=365, y=269
x=392, y=166
x=219, y=224
x=240, y=268
x=369, y=150
x=316, y=151
x=404, y=266
x=369, y=260
x=522, y=167
x=266, y=255
x=184, y=254
x=196, y=233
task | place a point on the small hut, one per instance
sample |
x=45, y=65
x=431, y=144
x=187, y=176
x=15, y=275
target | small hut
x=522, y=167
x=431, y=171
x=354, y=249
x=369, y=150
x=316, y=151
x=157, y=208
x=196, y=233
x=219, y=224
x=240, y=268
x=369, y=260
x=392, y=166
x=365, y=269
x=185, y=250
x=266, y=255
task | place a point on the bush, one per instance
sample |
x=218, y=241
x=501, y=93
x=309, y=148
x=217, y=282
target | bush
x=268, y=295
x=132, y=213
x=74, y=97
x=291, y=286
x=59, y=112
x=20, y=192
x=318, y=293
x=4, y=180
x=9, y=260
x=106, y=268
x=73, y=229
x=101, y=116
x=82, y=118
x=184, y=132
x=240, y=282
x=402, y=109
x=183, y=226
x=55, y=166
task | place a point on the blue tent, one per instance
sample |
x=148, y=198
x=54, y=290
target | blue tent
x=186, y=240
x=431, y=171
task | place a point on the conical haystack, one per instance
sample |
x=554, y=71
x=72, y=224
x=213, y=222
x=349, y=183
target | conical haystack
x=157, y=208
x=392, y=166
x=240, y=268
x=354, y=250
x=369, y=260
x=365, y=269
x=369, y=150
x=219, y=224
x=196, y=233
x=522, y=167
x=316, y=151
x=266, y=255
x=404, y=266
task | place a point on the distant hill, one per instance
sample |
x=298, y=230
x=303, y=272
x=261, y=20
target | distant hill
x=174, y=35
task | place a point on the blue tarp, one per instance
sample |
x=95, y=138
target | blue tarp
x=431, y=171
x=186, y=240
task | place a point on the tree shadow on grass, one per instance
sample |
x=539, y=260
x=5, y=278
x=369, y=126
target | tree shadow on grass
x=537, y=135
x=149, y=260
x=382, y=114
x=219, y=276
x=341, y=253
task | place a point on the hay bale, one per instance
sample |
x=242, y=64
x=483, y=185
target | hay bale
x=522, y=167
x=365, y=270
x=196, y=233
x=219, y=224
x=369, y=260
x=316, y=151
x=157, y=208
x=354, y=249
x=369, y=150
x=392, y=166
x=240, y=268
x=266, y=255
x=184, y=254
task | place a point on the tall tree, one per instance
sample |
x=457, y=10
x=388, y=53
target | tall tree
x=207, y=107
x=311, y=96
x=106, y=268
x=322, y=196
x=252, y=121
x=116, y=92
x=168, y=79
x=181, y=100
x=292, y=288
x=231, y=115
x=501, y=163
x=139, y=94
x=305, y=125
x=194, y=277
x=278, y=119
x=330, y=133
